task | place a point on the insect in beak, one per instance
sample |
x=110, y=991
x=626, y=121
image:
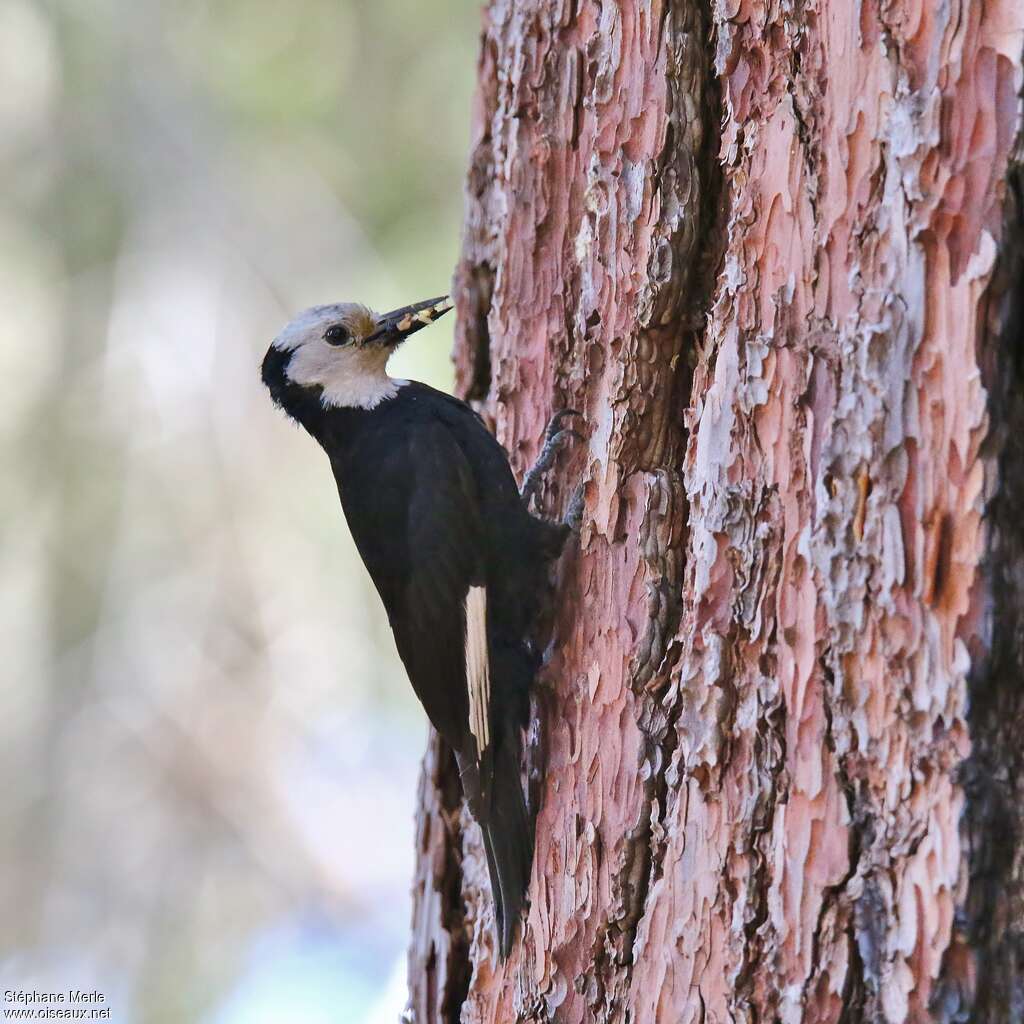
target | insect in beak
x=394, y=327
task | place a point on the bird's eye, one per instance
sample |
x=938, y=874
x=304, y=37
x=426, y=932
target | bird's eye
x=337, y=335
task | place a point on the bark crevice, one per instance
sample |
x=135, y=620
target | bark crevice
x=983, y=973
x=688, y=176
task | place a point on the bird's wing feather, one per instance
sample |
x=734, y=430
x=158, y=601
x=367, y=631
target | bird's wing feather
x=422, y=526
x=439, y=613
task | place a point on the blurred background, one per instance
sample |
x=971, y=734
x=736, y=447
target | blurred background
x=208, y=747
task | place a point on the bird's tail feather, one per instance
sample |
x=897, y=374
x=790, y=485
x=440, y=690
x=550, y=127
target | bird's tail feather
x=508, y=843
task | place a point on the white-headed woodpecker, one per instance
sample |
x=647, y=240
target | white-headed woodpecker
x=457, y=558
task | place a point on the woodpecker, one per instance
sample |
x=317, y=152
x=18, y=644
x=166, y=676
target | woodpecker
x=457, y=558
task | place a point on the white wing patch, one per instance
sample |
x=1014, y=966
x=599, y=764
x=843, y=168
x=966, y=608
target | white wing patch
x=478, y=668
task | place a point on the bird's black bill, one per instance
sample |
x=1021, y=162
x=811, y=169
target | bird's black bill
x=397, y=325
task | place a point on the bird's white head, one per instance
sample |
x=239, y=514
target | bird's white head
x=343, y=350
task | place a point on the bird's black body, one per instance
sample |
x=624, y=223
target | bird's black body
x=439, y=522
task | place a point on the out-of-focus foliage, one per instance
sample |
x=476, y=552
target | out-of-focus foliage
x=208, y=745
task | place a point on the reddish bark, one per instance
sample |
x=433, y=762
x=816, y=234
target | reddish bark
x=754, y=709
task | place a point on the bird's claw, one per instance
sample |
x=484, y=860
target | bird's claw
x=554, y=424
x=555, y=435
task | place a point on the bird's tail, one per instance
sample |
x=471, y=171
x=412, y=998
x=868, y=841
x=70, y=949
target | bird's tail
x=508, y=842
x=496, y=802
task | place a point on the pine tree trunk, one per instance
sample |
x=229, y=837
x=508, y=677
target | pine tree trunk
x=776, y=737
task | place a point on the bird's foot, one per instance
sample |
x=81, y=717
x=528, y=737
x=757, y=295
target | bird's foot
x=577, y=504
x=554, y=437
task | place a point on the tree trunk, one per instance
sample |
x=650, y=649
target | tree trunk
x=760, y=246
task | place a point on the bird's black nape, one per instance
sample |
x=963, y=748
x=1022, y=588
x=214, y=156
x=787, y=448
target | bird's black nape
x=272, y=372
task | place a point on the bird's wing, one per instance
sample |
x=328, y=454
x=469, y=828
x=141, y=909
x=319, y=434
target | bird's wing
x=439, y=613
x=419, y=519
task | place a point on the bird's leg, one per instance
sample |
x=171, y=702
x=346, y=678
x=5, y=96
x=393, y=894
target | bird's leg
x=574, y=513
x=554, y=437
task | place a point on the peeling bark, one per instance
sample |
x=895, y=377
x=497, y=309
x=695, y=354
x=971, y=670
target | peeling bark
x=756, y=244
